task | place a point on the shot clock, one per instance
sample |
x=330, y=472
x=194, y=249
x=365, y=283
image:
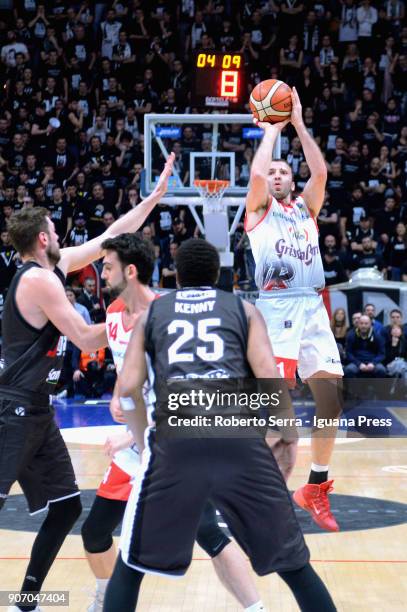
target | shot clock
x=218, y=80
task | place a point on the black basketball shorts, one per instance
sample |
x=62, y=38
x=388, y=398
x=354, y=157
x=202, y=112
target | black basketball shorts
x=33, y=453
x=239, y=476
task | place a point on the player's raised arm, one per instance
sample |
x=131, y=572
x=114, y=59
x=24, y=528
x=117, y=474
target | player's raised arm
x=131, y=380
x=314, y=190
x=258, y=194
x=75, y=258
x=44, y=291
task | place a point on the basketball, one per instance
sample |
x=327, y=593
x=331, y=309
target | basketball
x=270, y=101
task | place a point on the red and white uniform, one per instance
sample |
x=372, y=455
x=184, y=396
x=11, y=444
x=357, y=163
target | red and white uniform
x=118, y=479
x=289, y=274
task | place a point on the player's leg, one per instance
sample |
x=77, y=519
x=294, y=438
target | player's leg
x=319, y=364
x=308, y=589
x=105, y=516
x=230, y=565
x=247, y=498
x=161, y=520
x=48, y=482
x=97, y=534
x=123, y=589
x=59, y=521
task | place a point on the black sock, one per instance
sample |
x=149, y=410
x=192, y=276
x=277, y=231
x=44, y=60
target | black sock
x=123, y=588
x=309, y=590
x=317, y=477
x=59, y=521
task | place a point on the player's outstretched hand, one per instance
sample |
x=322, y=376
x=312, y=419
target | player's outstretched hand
x=266, y=126
x=162, y=184
x=296, y=111
x=117, y=442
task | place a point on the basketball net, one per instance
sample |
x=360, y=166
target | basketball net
x=211, y=192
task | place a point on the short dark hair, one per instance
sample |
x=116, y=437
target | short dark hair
x=131, y=249
x=396, y=310
x=197, y=262
x=24, y=227
x=284, y=162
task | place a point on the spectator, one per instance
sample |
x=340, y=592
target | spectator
x=339, y=330
x=334, y=271
x=89, y=299
x=82, y=310
x=179, y=231
x=396, y=318
x=370, y=311
x=366, y=16
x=79, y=233
x=364, y=230
x=169, y=269
x=396, y=252
x=92, y=375
x=365, y=351
x=396, y=353
x=367, y=257
x=9, y=52
x=7, y=262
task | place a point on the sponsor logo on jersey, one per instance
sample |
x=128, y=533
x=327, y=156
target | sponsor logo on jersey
x=275, y=275
x=20, y=411
x=298, y=234
x=288, y=324
x=59, y=349
x=219, y=373
x=332, y=360
x=196, y=294
x=53, y=376
x=306, y=255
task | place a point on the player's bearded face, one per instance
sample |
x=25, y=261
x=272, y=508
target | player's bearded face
x=53, y=252
x=117, y=283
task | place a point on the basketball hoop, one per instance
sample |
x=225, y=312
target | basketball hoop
x=211, y=192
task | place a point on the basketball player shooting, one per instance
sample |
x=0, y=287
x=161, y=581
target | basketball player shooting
x=283, y=235
x=36, y=312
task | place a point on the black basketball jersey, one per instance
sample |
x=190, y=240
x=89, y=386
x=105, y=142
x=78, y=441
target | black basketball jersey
x=197, y=333
x=32, y=358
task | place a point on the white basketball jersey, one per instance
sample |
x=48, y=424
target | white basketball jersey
x=285, y=247
x=119, y=337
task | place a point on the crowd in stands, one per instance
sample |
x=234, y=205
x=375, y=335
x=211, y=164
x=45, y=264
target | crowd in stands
x=368, y=348
x=77, y=79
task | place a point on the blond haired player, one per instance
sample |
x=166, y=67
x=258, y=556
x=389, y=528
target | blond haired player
x=283, y=235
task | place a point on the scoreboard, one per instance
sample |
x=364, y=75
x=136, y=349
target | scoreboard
x=218, y=80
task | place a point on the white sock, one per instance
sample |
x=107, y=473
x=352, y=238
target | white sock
x=256, y=607
x=101, y=585
x=319, y=468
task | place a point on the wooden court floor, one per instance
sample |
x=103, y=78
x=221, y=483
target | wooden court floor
x=365, y=569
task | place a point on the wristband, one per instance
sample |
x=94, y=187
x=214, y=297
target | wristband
x=127, y=404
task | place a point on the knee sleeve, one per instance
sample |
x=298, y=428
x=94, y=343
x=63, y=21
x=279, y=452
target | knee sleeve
x=97, y=530
x=210, y=536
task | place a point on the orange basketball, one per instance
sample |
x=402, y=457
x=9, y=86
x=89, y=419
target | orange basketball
x=271, y=101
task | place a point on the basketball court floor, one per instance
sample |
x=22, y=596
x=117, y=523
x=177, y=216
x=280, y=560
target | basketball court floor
x=364, y=566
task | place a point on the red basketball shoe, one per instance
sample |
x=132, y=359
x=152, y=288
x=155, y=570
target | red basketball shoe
x=314, y=499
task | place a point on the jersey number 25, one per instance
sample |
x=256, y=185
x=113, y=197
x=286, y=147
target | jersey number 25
x=212, y=348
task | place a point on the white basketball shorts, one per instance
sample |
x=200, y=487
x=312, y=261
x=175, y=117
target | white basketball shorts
x=299, y=331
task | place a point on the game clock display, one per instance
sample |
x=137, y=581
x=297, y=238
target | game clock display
x=218, y=80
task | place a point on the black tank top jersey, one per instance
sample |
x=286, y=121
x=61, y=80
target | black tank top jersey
x=32, y=358
x=197, y=333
